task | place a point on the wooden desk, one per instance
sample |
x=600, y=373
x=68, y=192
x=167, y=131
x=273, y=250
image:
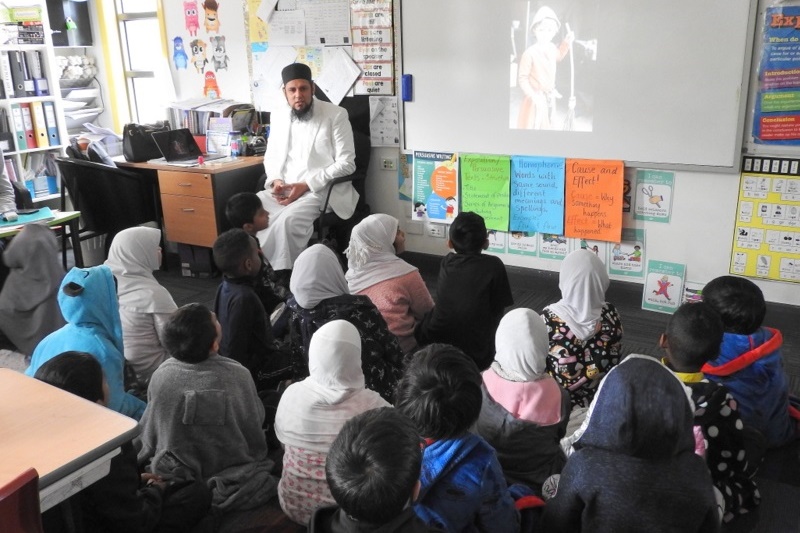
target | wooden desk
x=68, y=440
x=193, y=198
x=71, y=218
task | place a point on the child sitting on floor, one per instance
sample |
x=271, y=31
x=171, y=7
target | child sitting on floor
x=462, y=483
x=693, y=336
x=244, y=210
x=471, y=294
x=373, y=472
x=749, y=361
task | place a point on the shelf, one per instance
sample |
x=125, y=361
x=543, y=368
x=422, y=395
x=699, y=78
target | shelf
x=32, y=150
x=23, y=99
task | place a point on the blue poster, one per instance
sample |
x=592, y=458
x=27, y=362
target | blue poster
x=435, y=189
x=537, y=194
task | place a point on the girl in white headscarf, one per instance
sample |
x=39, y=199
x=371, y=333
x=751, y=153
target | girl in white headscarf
x=144, y=305
x=319, y=295
x=585, y=331
x=28, y=306
x=524, y=412
x=395, y=287
x=311, y=413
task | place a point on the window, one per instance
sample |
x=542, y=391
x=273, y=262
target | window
x=142, y=56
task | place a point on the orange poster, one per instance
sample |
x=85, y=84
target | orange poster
x=593, y=199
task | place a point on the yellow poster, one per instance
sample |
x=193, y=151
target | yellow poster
x=766, y=241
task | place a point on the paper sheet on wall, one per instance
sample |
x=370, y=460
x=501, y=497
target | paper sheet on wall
x=594, y=199
x=497, y=241
x=435, y=186
x=523, y=243
x=373, y=45
x=265, y=9
x=653, y=191
x=327, y=22
x=627, y=257
x=537, y=194
x=766, y=241
x=553, y=246
x=287, y=28
x=663, y=286
x=267, y=82
x=338, y=74
x=384, y=129
x=485, y=187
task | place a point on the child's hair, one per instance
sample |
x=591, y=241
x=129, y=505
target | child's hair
x=440, y=391
x=373, y=465
x=189, y=333
x=739, y=302
x=76, y=372
x=694, y=333
x=468, y=233
x=231, y=249
x=241, y=208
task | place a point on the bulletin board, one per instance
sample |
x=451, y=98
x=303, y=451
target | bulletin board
x=766, y=241
x=655, y=84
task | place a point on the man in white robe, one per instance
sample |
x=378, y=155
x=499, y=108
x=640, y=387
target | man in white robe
x=310, y=144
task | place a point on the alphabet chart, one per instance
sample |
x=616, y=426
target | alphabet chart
x=766, y=241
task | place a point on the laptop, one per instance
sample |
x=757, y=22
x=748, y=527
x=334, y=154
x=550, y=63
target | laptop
x=179, y=148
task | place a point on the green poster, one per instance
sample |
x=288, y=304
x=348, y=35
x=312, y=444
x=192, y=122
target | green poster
x=663, y=286
x=485, y=183
x=653, y=193
x=627, y=257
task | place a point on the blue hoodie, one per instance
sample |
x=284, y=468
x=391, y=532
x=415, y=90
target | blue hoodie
x=93, y=326
x=463, y=487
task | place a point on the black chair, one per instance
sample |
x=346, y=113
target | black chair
x=109, y=199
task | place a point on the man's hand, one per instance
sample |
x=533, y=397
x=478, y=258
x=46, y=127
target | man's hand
x=277, y=190
x=291, y=193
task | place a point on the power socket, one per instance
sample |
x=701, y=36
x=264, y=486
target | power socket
x=389, y=163
x=436, y=231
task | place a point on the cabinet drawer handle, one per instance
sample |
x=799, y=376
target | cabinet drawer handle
x=184, y=185
x=187, y=210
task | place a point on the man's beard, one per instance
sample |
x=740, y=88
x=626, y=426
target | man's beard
x=304, y=113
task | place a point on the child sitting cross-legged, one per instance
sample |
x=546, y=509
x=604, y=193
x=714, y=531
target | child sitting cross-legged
x=692, y=338
x=246, y=332
x=373, y=470
x=462, y=483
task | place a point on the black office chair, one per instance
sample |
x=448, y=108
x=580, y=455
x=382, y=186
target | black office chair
x=109, y=199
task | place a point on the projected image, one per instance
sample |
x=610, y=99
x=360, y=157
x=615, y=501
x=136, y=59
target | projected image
x=553, y=61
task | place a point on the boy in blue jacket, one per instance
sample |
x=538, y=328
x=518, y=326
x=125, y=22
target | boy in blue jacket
x=749, y=362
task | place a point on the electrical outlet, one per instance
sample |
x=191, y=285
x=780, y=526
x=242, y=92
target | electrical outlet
x=389, y=163
x=436, y=230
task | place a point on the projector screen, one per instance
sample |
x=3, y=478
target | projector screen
x=652, y=83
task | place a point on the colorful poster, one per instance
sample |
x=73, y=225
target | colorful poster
x=435, y=187
x=627, y=257
x=600, y=248
x=522, y=243
x=373, y=46
x=497, y=241
x=653, y=192
x=776, y=118
x=553, y=246
x=663, y=286
x=537, y=194
x=766, y=241
x=593, y=195
x=484, y=187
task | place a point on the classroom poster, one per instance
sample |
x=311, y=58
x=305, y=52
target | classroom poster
x=497, y=241
x=663, y=286
x=384, y=129
x=553, y=246
x=593, y=195
x=599, y=248
x=485, y=188
x=776, y=119
x=404, y=178
x=766, y=241
x=537, y=194
x=435, y=191
x=626, y=190
x=373, y=46
x=653, y=192
x=523, y=243
x=627, y=257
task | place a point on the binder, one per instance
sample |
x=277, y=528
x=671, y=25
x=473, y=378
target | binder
x=11, y=170
x=17, y=73
x=39, y=125
x=6, y=135
x=34, y=62
x=27, y=80
x=27, y=123
x=51, y=124
x=5, y=72
x=19, y=126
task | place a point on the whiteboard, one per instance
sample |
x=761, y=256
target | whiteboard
x=665, y=88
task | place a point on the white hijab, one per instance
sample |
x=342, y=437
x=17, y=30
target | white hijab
x=371, y=257
x=583, y=281
x=311, y=412
x=521, y=345
x=317, y=276
x=132, y=258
